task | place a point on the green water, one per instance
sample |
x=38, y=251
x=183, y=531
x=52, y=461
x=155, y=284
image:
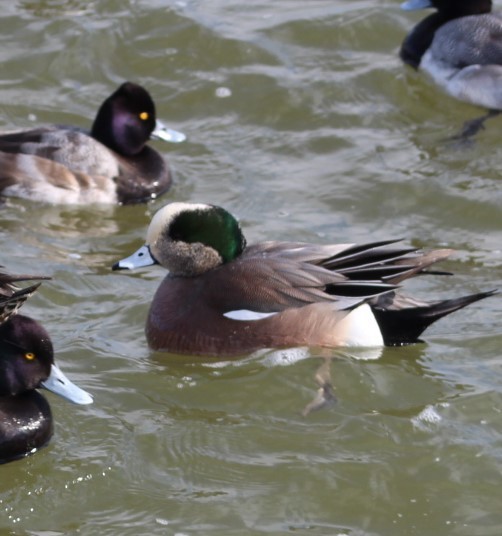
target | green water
x=323, y=136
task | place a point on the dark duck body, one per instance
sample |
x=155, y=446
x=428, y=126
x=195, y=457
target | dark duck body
x=26, y=364
x=110, y=164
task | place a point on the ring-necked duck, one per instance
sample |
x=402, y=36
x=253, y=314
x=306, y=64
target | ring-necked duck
x=109, y=164
x=222, y=297
x=26, y=363
x=460, y=47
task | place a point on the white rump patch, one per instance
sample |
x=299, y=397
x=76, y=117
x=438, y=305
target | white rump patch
x=360, y=328
x=246, y=315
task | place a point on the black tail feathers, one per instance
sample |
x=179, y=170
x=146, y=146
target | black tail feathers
x=404, y=326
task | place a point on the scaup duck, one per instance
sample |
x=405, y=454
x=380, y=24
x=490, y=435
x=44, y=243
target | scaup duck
x=26, y=364
x=223, y=298
x=460, y=47
x=109, y=164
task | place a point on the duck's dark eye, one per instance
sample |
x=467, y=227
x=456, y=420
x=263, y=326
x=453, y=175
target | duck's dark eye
x=144, y=116
x=29, y=356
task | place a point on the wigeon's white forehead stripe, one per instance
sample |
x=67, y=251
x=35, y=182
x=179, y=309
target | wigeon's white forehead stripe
x=165, y=215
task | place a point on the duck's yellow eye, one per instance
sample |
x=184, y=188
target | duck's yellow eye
x=29, y=356
x=144, y=116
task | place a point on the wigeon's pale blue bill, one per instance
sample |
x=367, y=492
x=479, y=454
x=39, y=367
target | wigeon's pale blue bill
x=142, y=257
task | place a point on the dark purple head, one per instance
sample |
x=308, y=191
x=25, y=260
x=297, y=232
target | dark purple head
x=26, y=355
x=126, y=120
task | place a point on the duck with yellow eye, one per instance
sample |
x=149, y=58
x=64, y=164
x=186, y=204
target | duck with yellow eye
x=110, y=163
x=26, y=364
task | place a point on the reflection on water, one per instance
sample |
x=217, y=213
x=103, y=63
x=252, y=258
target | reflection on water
x=51, y=8
x=322, y=136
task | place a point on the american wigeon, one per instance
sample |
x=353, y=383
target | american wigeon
x=223, y=298
x=26, y=363
x=460, y=47
x=109, y=164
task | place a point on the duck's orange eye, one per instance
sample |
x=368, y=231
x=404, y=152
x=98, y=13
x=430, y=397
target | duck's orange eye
x=144, y=116
x=29, y=356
